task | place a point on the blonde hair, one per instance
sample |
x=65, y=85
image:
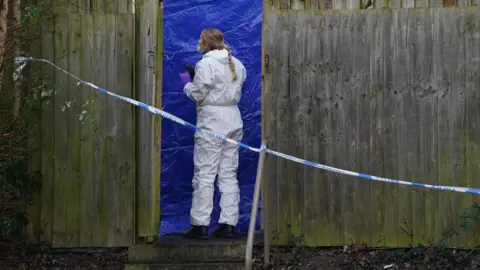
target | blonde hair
x=212, y=39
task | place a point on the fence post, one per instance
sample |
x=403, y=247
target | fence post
x=266, y=216
x=253, y=213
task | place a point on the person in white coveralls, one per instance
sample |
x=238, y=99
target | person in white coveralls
x=216, y=87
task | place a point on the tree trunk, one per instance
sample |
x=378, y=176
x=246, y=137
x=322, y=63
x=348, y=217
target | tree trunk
x=17, y=93
x=3, y=34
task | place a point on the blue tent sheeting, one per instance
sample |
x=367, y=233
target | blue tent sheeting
x=241, y=23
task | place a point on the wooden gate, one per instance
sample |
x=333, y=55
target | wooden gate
x=100, y=156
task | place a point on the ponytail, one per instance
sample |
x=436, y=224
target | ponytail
x=230, y=62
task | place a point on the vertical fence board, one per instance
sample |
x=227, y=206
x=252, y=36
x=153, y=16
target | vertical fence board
x=83, y=6
x=325, y=4
x=62, y=114
x=421, y=3
x=401, y=96
x=311, y=145
x=125, y=170
x=455, y=55
x=123, y=7
x=441, y=50
x=345, y=106
x=338, y=4
x=420, y=78
x=72, y=180
x=48, y=136
x=430, y=128
x=463, y=3
x=458, y=141
x=412, y=118
x=264, y=214
x=408, y=3
x=100, y=165
x=440, y=3
x=131, y=6
x=352, y=3
x=111, y=6
x=394, y=3
x=297, y=111
x=337, y=124
x=98, y=6
x=111, y=135
x=273, y=3
x=364, y=26
x=413, y=40
x=143, y=81
x=469, y=98
x=148, y=179
x=284, y=4
x=297, y=4
x=313, y=4
x=371, y=68
x=388, y=118
x=375, y=95
x=283, y=206
x=380, y=4
x=326, y=208
x=87, y=131
x=278, y=66
x=323, y=83
x=271, y=48
x=157, y=130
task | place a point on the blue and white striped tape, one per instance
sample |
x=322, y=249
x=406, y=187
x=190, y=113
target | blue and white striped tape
x=24, y=60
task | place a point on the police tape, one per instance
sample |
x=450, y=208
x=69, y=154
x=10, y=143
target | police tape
x=23, y=60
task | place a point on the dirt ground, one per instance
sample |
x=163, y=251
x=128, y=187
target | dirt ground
x=21, y=257
x=285, y=258
x=361, y=258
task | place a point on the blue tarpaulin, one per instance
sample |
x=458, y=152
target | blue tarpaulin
x=241, y=23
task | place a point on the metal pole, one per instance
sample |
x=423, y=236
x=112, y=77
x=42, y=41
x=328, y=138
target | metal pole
x=253, y=213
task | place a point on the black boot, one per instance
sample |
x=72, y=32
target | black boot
x=224, y=231
x=196, y=232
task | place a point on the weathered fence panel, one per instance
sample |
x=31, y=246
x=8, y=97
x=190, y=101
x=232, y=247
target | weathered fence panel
x=356, y=4
x=149, y=20
x=88, y=138
x=392, y=93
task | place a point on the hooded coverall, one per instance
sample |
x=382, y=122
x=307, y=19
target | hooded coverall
x=216, y=96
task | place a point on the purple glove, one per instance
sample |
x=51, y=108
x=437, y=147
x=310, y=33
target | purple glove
x=185, y=77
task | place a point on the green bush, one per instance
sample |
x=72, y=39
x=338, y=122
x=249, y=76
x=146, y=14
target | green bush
x=18, y=182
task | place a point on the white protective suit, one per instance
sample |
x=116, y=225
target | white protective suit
x=217, y=97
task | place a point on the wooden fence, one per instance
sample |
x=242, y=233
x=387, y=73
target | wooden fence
x=393, y=93
x=91, y=143
x=377, y=4
x=388, y=92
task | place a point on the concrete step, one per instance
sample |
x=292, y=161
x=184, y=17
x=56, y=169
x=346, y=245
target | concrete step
x=187, y=266
x=175, y=249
